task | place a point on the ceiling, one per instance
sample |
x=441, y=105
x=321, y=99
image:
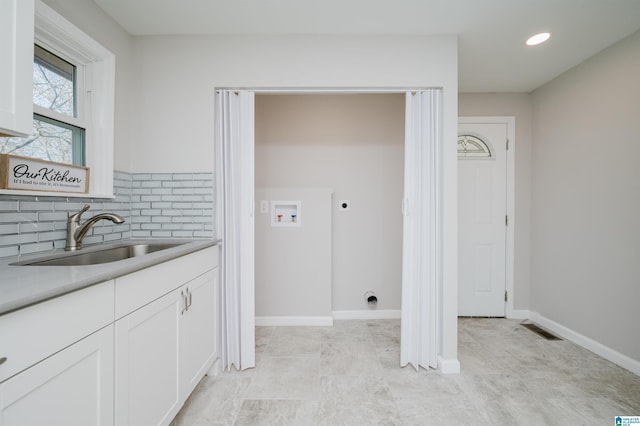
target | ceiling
x=491, y=33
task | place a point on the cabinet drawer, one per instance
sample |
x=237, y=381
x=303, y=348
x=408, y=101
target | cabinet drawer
x=35, y=333
x=140, y=288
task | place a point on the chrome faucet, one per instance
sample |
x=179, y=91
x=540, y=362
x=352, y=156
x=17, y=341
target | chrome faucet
x=76, y=232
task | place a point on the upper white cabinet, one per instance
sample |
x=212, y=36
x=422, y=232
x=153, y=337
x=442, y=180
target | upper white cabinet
x=16, y=72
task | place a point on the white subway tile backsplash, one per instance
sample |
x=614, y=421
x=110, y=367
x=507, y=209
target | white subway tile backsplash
x=154, y=205
x=9, y=251
x=25, y=206
x=24, y=228
x=11, y=228
x=52, y=236
x=37, y=247
x=18, y=217
x=9, y=206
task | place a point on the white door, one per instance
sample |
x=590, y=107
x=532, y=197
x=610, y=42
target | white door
x=482, y=209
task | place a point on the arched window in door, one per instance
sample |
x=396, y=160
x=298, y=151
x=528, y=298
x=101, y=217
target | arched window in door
x=471, y=146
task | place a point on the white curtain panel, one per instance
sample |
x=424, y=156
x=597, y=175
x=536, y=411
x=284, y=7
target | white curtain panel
x=234, y=136
x=422, y=242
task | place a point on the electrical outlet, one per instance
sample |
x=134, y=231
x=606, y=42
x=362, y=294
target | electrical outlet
x=264, y=206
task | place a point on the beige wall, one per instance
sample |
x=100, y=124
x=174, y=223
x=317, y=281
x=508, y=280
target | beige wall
x=519, y=106
x=355, y=145
x=586, y=198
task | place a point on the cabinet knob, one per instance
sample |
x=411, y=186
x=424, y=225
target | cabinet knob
x=2, y=360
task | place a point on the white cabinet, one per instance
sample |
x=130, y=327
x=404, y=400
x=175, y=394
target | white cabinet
x=72, y=387
x=16, y=72
x=165, y=347
x=58, y=367
x=147, y=362
x=127, y=351
x=198, y=330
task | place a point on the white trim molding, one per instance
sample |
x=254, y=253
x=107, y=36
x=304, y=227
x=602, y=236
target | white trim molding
x=369, y=314
x=448, y=366
x=519, y=314
x=293, y=321
x=606, y=352
x=59, y=35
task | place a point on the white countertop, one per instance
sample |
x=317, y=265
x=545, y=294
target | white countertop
x=22, y=286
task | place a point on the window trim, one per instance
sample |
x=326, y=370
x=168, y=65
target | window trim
x=57, y=34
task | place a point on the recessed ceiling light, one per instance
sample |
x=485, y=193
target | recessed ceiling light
x=538, y=38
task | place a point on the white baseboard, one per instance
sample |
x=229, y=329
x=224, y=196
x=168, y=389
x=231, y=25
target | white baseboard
x=368, y=314
x=215, y=368
x=590, y=344
x=448, y=366
x=294, y=321
x=519, y=314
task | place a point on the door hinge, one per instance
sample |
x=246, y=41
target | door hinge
x=506, y=220
x=507, y=144
x=506, y=296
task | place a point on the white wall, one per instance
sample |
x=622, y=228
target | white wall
x=586, y=199
x=518, y=105
x=355, y=145
x=87, y=16
x=175, y=78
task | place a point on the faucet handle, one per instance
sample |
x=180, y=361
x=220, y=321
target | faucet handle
x=76, y=216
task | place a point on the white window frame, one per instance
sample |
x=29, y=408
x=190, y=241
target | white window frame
x=95, y=95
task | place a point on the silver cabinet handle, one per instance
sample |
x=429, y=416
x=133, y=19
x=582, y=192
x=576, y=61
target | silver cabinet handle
x=184, y=302
x=3, y=360
x=190, y=298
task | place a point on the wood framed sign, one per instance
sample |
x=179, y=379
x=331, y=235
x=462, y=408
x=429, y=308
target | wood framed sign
x=31, y=174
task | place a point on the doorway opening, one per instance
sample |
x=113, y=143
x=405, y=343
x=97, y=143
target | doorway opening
x=423, y=205
x=327, y=150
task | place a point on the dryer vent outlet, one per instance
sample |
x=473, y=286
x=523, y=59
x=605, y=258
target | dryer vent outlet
x=371, y=298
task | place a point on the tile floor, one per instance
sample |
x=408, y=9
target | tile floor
x=349, y=374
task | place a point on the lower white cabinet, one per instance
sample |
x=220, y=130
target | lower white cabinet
x=198, y=343
x=163, y=350
x=127, y=351
x=71, y=387
x=147, y=363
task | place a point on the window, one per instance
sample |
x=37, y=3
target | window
x=470, y=146
x=58, y=135
x=73, y=101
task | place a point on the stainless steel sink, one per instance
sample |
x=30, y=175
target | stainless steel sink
x=100, y=256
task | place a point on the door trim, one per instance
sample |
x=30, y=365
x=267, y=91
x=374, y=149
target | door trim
x=510, y=122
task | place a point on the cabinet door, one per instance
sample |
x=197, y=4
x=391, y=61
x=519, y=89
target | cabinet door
x=72, y=387
x=147, y=387
x=198, y=330
x=16, y=72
